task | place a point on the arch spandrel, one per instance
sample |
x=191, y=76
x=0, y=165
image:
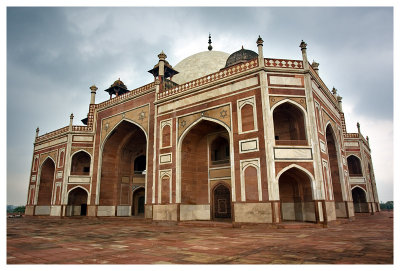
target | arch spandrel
x=276, y=99
x=303, y=169
x=139, y=116
x=72, y=188
x=222, y=114
x=75, y=150
x=327, y=120
x=44, y=156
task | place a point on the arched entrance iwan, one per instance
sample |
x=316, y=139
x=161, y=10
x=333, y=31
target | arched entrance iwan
x=205, y=159
x=359, y=200
x=335, y=173
x=296, y=197
x=123, y=168
x=77, y=202
x=46, y=183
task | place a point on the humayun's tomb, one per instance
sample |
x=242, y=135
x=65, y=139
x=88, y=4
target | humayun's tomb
x=234, y=137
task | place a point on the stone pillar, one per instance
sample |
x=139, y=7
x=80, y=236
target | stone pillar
x=334, y=92
x=315, y=66
x=157, y=83
x=93, y=90
x=339, y=99
x=312, y=133
x=67, y=168
x=161, y=63
x=358, y=128
x=71, y=118
x=260, y=52
x=303, y=47
x=269, y=139
x=32, y=211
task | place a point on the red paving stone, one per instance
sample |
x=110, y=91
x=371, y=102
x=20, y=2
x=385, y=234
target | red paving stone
x=31, y=240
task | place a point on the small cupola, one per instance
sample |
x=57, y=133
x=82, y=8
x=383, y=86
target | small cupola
x=118, y=88
x=166, y=69
x=241, y=56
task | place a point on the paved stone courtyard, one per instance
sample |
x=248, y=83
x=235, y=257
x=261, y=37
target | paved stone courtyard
x=31, y=240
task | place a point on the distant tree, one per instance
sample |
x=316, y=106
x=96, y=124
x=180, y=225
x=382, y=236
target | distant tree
x=19, y=209
x=10, y=208
x=387, y=206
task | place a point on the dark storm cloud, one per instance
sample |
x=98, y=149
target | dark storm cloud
x=55, y=54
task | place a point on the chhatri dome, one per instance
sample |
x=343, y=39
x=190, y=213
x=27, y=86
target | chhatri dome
x=207, y=62
x=241, y=56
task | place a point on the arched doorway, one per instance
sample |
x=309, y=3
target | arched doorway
x=80, y=163
x=45, y=187
x=77, y=202
x=295, y=194
x=289, y=125
x=359, y=200
x=332, y=147
x=138, y=202
x=123, y=167
x=221, y=202
x=204, y=152
x=354, y=165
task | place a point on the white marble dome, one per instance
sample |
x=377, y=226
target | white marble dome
x=198, y=65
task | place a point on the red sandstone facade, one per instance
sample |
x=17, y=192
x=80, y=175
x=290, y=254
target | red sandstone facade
x=259, y=141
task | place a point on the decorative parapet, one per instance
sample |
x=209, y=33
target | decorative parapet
x=125, y=96
x=326, y=91
x=80, y=128
x=343, y=123
x=236, y=69
x=366, y=143
x=283, y=63
x=52, y=134
x=357, y=136
x=351, y=135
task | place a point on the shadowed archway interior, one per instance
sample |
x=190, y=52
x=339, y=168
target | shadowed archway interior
x=80, y=163
x=295, y=194
x=334, y=166
x=205, y=148
x=46, y=183
x=123, y=165
x=77, y=202
x=289, y=125
x=359, y=200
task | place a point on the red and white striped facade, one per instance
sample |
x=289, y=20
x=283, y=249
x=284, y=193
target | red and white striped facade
x=262, y=141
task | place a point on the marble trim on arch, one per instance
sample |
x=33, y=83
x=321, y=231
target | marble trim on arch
x=276, y=99
x=44, y=156
x=221, y=113
x=138, y=115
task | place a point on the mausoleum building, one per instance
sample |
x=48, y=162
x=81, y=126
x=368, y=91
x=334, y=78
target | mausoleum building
x=234, y=137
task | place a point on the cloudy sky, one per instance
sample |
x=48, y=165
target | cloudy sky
x=55, y=54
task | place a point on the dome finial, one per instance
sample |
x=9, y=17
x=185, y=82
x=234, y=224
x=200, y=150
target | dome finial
x=209, y=42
